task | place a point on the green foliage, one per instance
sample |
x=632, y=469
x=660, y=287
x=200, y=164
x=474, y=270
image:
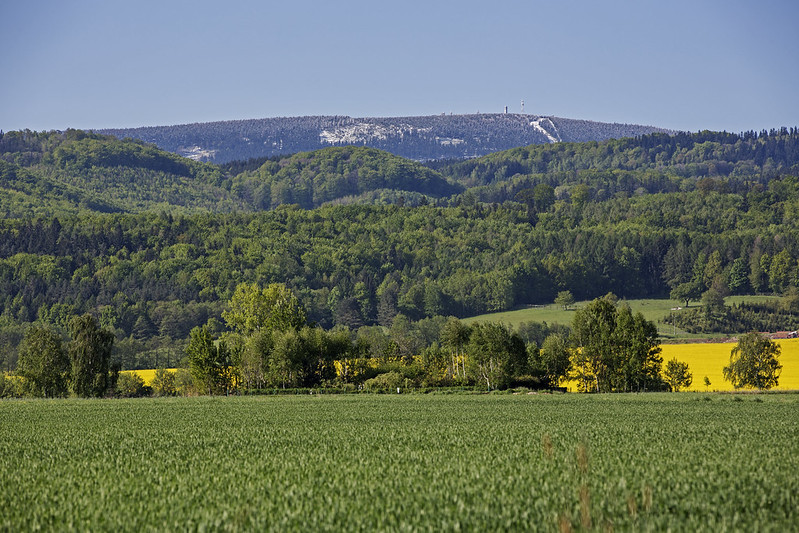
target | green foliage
x=253, y=309
x=43, y=363
x=131, y=385
x=209, y=362
x=495, y=355
x=685, y=292
x=638, y=217
x=555, y=358
x=163, y=383
x=311, y=179
x=565, y=299
x=387, y=381
x=90, y=354
x=754, y=363
x=617, y=350
x=678, y=377
x=767, y=315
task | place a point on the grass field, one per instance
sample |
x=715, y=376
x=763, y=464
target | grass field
x=656, y=462
x=652, y=309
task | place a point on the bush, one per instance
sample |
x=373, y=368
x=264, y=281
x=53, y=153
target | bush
x=387, y=381
x=164, y=383
x=131, y=385
x=184, y=383
x=10, y=386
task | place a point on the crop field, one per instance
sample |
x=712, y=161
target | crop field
x=708, y=359
x=656, y=462
x=147, y=374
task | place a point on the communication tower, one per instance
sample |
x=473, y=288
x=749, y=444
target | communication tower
x=522, y=107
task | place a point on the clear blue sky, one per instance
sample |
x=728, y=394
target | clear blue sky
x=683, y=64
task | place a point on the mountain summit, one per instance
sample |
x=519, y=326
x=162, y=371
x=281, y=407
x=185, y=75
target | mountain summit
x=418, y=138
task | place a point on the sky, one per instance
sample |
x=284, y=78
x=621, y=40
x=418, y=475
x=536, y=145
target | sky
x=687, y=65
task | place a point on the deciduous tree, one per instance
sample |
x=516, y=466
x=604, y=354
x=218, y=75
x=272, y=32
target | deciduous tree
x=43, y=362
x=677, y=375
x=89, y=353
x=754, y=363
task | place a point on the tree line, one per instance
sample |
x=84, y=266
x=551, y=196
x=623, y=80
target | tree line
x=267, y=343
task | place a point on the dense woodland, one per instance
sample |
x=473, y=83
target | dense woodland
x=154, y=245
x=417, y=138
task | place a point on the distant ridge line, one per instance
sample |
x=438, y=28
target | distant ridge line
x=414, y=137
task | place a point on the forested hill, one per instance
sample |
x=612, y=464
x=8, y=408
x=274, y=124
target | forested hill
x=66, y=173
x=58, y=173
x=154, y=243
x=417, y=138
x=347, y=174
x=646, y=164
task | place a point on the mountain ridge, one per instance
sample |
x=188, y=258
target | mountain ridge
x=418, y=138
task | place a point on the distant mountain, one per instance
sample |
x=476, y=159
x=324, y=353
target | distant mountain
x=417, y=138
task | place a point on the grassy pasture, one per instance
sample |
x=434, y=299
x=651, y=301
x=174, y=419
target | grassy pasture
x=657, y=462
x=653, y=309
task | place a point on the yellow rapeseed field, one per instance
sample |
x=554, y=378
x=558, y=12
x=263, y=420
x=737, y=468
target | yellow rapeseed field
x=708, y=359
x=146, y=375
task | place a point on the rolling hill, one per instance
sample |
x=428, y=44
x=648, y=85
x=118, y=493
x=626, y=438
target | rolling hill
x=417, y=138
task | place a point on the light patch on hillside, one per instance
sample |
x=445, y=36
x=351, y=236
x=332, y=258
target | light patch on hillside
x=449, y=141
x=365, y=132
x=545, y=126
x=198, y=153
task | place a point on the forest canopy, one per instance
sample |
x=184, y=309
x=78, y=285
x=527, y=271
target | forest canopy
x=153, y=244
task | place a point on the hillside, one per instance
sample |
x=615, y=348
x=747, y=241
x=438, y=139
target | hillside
x=58, y=173
x=417, y=138
x=154, y=243
x=65, y=173
x=312, y=179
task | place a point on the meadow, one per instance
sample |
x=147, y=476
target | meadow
x=656, y=310
x=654, y=462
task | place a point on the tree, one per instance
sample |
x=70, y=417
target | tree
x=738, y=278
x=495, y=354
x=564, y=299
x=555, y=358
x=685, y=292
x=209, y=362
x=454, y=337
x=754, y=363
x=43, y=362
x=131, y=385
x=252, y=309
x=544, y=196
x=89, y=354
x=677, y=375
x=618, y=350
x=707, y=382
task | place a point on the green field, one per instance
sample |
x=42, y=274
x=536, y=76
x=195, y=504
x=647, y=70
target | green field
x=684, y=462
x=653, y=309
